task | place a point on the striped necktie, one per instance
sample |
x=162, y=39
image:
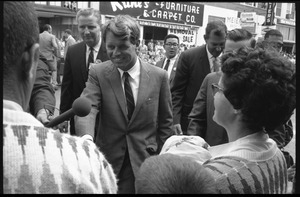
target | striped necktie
x=215, y=67
x=167, y=65
x=129, y=96
x=91, y=58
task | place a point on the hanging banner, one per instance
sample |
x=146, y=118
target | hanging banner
x=270, y=15
x=173, y=12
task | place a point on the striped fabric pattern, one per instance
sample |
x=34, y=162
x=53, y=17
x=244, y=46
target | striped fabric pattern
x=236, y=175
x=40, y=160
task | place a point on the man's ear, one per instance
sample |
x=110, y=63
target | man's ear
x=138, y=43
x=205, y=37
x=30, y=59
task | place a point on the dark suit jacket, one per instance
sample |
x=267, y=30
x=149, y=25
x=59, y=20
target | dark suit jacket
x=151, y=122
x=75, y=75
x=172, y=75
x=43, y=94
x=193, y=65
x=201, y=122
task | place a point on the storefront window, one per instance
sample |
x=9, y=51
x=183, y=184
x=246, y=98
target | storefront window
x=293, y=11
x=82, y=4
x=55, y=3
x=95, y=5
x=278, y=9
x=41, y=2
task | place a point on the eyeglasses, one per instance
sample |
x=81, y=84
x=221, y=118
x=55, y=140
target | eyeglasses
x=171, y=44
x=216, y=88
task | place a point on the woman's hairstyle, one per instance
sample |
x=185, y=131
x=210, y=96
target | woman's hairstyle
x=262, y=84
x=173, y=174
x=123, y=26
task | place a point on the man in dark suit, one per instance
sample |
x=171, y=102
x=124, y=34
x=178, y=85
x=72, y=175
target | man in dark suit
x=201, y=122
x=133, y=100
x=193, y=65
x=79, y=57
x=171, y=46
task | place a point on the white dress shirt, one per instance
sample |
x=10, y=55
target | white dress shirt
x=211, y=60
x=172, y=61
x=95, y=51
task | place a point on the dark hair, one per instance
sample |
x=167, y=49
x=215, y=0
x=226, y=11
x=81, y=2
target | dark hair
x=68, y=31
x=46, y=27
x=262, y=84
x=173, y=174
x=237, y=35
x=123, y=26
x=218, y=26
x=170, y=36
x=273, y=32
x=20, y=32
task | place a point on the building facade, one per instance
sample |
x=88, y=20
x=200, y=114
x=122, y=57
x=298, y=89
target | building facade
x=185, y=19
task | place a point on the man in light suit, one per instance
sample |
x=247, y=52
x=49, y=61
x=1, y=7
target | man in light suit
x=49, y=48
x=69, y=41
x=171, y=46
x=201, y=122
x=193, y=65
x=77, y=59
x=135, y=117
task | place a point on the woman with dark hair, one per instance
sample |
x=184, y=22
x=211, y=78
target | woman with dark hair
x=257, y=90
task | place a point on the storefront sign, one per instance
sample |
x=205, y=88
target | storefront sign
x=287, y=22
x=248, y=17
x=164, y=25
x=233, y=23
x=172, y=12
x=269, y=15
x=186, y=37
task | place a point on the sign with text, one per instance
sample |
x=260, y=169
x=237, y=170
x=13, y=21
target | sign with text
x=248, y=17
x=172, y=12
x=186, y=37
x=270, y=15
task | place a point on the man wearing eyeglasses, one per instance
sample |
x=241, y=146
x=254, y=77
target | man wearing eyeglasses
x=171, y=46
x=201, y=122
x=193, y=65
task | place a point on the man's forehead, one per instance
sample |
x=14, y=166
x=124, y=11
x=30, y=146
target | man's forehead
x=275, y=38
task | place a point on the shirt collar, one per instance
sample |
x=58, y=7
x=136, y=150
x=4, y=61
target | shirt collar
x=68, y=37
x=134, y=71
x=173, y=58
x=210, y=56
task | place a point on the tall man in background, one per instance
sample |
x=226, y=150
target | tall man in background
x=193, y=65
x=49, y=48
x=79, y=57
x=201, y=122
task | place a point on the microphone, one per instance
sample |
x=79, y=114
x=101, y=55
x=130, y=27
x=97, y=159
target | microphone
x=80, y=107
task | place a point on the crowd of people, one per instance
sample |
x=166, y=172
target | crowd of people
x=198, y=120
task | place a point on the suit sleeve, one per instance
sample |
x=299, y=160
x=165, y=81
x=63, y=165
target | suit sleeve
x=92, y=91
x=178, y=87
x=43, y=94
x=197, y=117
x=67, y=86
x=165, y=117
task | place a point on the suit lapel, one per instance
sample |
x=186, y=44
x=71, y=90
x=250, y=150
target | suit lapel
x=116, y=84
x=82, y=59
x=143, y=89
x=102, y=55
x=173, y=71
